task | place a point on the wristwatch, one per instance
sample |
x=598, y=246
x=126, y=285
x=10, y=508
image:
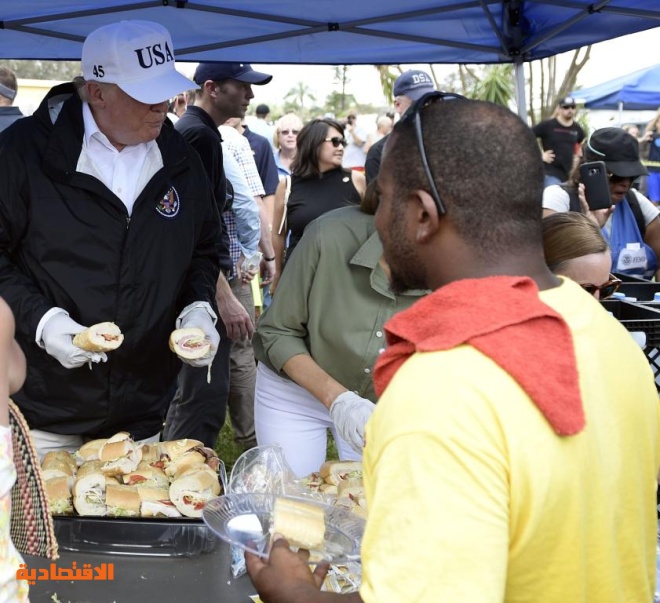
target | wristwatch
x=269, y=259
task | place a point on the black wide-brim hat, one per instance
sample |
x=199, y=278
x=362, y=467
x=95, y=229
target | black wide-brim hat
x=618, y=149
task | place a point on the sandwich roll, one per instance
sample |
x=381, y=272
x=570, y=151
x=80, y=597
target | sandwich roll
x=179, y=465
x=197, y=467
x=175, y=448
x=151, y=493
x=89, y=494
x=101, y=337
x=351, y=488
x=189, y=343
x=301, y=523
x=192, y=491
x=155, y=502
x=328, y=489
x=89, y=451
x=89, y=467
x=334, y=472
x=146, y=475
x=159, y=508
x=58, y=491
x=150, y=452
x=122, y=500
x=120, y=455
x=59, y=459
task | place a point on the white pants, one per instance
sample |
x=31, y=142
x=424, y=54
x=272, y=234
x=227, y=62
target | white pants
x=288, y=415
x=45, y=441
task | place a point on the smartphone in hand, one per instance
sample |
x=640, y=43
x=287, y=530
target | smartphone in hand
x=593, y=175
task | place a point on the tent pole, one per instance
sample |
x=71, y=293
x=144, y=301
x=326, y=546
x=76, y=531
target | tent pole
x=521, y=101
x=620, y=114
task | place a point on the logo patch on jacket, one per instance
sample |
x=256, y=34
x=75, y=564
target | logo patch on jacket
x=169, y=205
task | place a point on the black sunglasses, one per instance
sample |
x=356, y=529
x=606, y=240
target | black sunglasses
x=287, y=132
x=568, y=106
x=614, y=179
x=336, y=141
x=606, y=289
x=414, y=114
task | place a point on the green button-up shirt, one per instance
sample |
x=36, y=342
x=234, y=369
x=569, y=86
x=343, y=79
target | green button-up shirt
x=332, y=302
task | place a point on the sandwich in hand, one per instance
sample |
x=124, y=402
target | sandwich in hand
x=122, y=501
x=58, y=491
x=301, y=523
x=120, y=455
x=101, y=337
x=189, y=343
x=192, y=491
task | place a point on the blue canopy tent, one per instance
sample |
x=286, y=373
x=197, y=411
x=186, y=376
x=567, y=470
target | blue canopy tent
x=335, y=31
x=636, y=91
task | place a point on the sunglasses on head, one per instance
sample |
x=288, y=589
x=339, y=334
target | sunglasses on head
x=414, y=115
x=606, y=289
x=287, y=132
x=336, y=141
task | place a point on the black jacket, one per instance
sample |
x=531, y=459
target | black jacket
x=67, y=241
x=197, y=127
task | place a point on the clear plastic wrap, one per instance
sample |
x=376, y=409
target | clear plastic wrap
x=264, y=470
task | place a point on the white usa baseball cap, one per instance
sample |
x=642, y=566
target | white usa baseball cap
x=137, y=56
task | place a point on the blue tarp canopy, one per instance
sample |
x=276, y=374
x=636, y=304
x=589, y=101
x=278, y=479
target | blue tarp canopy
x=636, y=91
x=333, y=31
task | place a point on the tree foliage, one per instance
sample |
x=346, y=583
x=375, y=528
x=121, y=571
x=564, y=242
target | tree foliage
x=63, y=71
x=496, y=83
x=299, y=99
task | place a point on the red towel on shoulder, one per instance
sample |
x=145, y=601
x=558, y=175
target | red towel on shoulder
x=504, y=318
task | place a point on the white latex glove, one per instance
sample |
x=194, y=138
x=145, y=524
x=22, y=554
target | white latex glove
x=199, y=317
x=57, y=337
x=350, y=413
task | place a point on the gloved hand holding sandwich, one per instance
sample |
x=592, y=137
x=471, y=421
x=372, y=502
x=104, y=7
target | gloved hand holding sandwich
x=196, y=339
x=74, y=345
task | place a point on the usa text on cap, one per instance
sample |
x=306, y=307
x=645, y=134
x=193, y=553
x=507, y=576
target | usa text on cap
x=138, y=57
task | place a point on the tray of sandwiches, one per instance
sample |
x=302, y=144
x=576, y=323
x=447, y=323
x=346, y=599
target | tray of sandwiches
x=116, y=496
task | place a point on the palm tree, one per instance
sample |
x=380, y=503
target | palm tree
x=296, y=97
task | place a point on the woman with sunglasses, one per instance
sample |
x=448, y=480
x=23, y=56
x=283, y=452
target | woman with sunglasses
x=285, y=142
x=631, y=226
x=574, y=247
x=317, y=185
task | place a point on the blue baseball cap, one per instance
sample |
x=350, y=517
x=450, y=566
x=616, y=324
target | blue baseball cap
x=413, y=84
x=242, y=72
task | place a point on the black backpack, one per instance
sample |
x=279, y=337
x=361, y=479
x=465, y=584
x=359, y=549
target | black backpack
x=631, y=197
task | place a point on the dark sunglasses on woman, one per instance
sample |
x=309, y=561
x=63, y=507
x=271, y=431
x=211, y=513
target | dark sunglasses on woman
x=606, y=290
x=336, y=141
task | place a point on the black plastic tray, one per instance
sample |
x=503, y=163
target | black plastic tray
x=175, y=537
x=642, y=291
x=636, y=317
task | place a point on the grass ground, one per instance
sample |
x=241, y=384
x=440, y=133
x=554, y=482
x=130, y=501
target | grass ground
x=228, y=451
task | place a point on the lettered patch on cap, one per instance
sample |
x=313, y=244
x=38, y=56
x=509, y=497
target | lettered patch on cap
x=169, y=205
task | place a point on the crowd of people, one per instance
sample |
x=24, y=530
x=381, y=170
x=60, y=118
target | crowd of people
x=430, y=296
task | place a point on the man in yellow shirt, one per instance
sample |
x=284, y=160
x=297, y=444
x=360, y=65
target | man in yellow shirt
x=513, y=454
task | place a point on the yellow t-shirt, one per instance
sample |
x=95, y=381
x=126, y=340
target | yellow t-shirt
x=473, y=498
